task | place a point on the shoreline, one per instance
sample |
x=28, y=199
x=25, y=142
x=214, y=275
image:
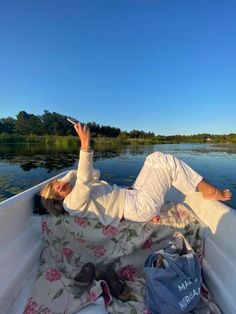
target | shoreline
x=71, y=140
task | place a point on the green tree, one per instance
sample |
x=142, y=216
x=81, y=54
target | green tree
x=35, y=125
x=28, y=124
x=56, y=124
x=7, y=125
x=22, y=123
x=134, y=133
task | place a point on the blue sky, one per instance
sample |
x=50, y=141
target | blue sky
x=166, y=66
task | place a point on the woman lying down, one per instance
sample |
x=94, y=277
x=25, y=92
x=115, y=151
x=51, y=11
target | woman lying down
x=91, y=197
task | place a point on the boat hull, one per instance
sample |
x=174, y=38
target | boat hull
x=21, y=246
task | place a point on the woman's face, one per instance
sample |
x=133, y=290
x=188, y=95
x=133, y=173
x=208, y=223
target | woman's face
x=62, y=189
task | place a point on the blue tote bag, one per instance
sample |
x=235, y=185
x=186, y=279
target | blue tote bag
x=173, y=278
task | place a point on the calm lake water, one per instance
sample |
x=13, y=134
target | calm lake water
x=23, y=166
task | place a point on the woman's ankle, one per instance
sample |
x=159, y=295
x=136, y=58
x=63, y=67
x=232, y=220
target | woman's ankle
x=212, y=193
x=207, y=189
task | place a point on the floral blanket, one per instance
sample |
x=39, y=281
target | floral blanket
x=70, y=242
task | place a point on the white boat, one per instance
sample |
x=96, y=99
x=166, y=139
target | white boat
x=21, y=246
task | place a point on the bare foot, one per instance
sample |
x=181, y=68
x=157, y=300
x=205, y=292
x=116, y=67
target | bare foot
x=212, y=193
x=219, y=195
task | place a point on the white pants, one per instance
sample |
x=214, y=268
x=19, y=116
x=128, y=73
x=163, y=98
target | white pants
x=159, y=173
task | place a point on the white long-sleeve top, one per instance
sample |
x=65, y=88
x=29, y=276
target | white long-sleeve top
x=92, y=197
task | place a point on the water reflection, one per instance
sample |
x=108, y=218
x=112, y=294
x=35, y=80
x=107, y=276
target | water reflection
x=50, y=158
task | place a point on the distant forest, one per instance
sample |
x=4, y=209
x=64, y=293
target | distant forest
x=55, y=124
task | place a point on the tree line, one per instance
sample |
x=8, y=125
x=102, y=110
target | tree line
x=49, y=123
x=52, y=123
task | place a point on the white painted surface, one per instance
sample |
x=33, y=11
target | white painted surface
x=219, y=265
x=20, y=249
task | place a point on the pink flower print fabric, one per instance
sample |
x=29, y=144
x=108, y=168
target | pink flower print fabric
x=52, y=275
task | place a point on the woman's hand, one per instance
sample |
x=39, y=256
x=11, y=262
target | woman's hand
x=84, y=134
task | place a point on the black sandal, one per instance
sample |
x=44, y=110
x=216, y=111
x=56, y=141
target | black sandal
x=85, y=276
x=118, y=288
